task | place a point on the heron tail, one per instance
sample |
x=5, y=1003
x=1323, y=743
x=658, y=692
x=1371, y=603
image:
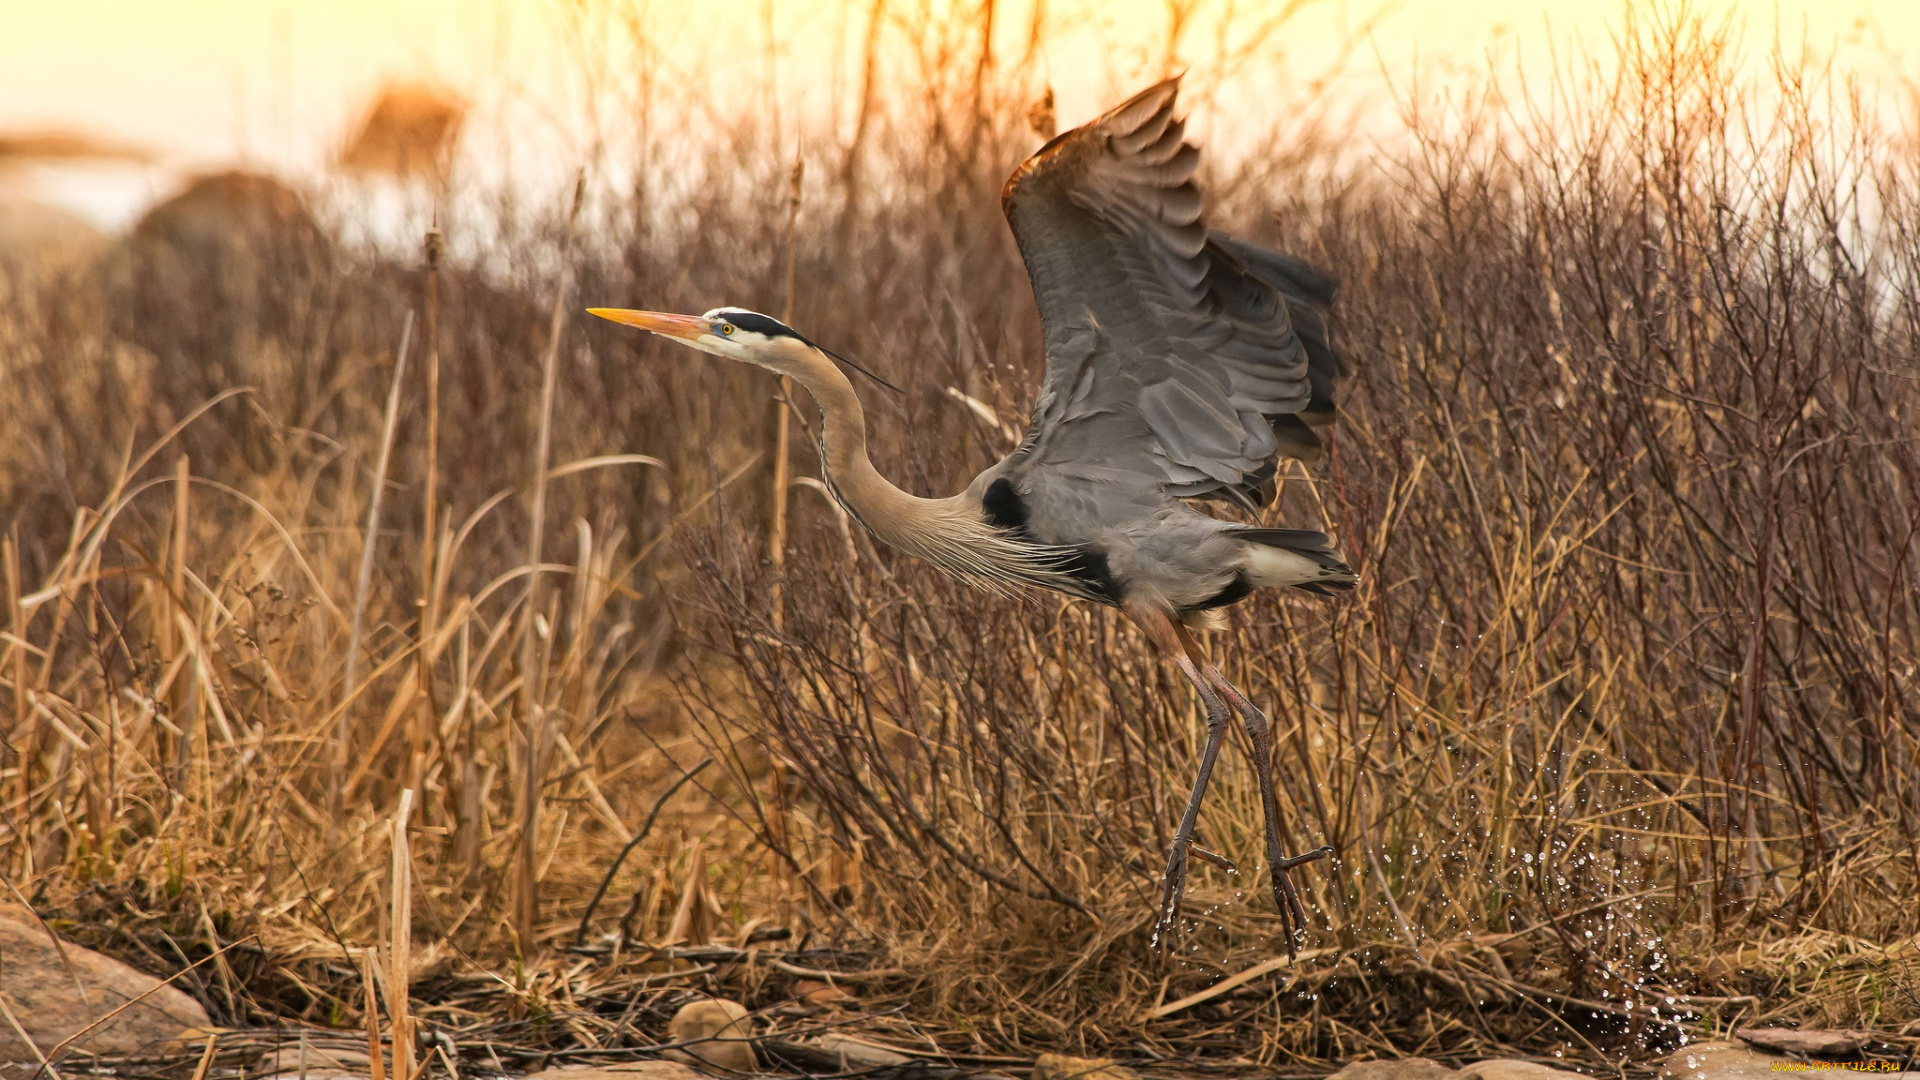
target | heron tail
x=1294, y=558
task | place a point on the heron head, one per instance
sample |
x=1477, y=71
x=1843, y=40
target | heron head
x=735, y=333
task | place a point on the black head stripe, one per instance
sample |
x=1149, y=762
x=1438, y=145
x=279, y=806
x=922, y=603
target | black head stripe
x=769, y=327
x=759, y=324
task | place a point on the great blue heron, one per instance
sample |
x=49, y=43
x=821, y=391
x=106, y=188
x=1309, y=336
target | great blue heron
x=1180, y=362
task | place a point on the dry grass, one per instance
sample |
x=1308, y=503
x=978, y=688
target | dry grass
x=1627, y=466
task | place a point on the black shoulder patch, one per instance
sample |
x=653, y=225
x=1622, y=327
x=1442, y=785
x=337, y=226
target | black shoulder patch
x=1090, y=566
x=1003, y=507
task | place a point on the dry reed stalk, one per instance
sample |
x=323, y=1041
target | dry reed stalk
x=466, y=836
x=433, y=246
x=17, y=734
x=369, y=963
x=849, y=178
x=783, y=410
x=526, y=903
x=689, y=919
x=183, y=695
x=17, y=647
x=206, y=1057
x=780, y=839
x=364, y=579
x=400, y=949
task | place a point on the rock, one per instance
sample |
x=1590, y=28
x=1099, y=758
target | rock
x=1732, y=1061
x=1417, y=1068
x=632, y=1070
x=46, y=997
x=1062, y=1067
x=1720, y=1061
x=718, y=1030
x=39, y=237
x=314, y=1072
x=854, y=1054
x=1508, y=1069
x=1810, y=1042
x=64, y=146
x=323, y=1062
x=219, y=284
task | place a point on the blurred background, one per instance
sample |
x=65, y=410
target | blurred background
x=318, y=498
x=154, y=93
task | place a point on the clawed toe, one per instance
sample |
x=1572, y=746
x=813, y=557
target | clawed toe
x=1315, y=855
x=1213, y=857
x=1172, y=885
x=1175, y=882
x=1293, y=918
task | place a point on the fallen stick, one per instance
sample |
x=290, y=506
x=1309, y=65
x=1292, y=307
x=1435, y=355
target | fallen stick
x=822, y=973
x=1231, y=982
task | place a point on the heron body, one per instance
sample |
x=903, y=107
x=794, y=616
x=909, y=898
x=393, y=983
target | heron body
x=1181, y=363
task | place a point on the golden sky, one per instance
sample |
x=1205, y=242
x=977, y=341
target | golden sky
x=200, y=82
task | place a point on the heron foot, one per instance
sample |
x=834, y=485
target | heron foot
x=1175, y=883
x=1293, y=917
x=1172, y=885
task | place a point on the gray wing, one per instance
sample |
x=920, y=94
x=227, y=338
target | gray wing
x=1175, y=353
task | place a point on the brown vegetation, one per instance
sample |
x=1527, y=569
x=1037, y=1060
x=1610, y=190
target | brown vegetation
x=1619, y=738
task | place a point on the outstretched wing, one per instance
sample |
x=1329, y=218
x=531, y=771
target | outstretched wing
x=1174, y=352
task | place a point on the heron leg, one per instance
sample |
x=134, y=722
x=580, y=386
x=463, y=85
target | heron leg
x=1175, y=881
x=1293, y=918
x=1165, y=633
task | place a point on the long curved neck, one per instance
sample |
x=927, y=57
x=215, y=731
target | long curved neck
x=952, y=533
x=901, y=519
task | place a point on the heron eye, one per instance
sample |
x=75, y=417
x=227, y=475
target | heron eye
x=726, y=328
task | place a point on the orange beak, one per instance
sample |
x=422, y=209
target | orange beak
x=683, y=327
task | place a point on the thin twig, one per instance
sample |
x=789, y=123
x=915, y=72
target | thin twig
x=783, y=416
x=532, y=706
x=367, y=546
x=586, y=917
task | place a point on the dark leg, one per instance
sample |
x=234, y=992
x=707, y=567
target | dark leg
x=1165, y=633
x=1175, y=881
x=1293, y=919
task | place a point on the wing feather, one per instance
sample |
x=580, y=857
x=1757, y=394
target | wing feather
x=1176, y=353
